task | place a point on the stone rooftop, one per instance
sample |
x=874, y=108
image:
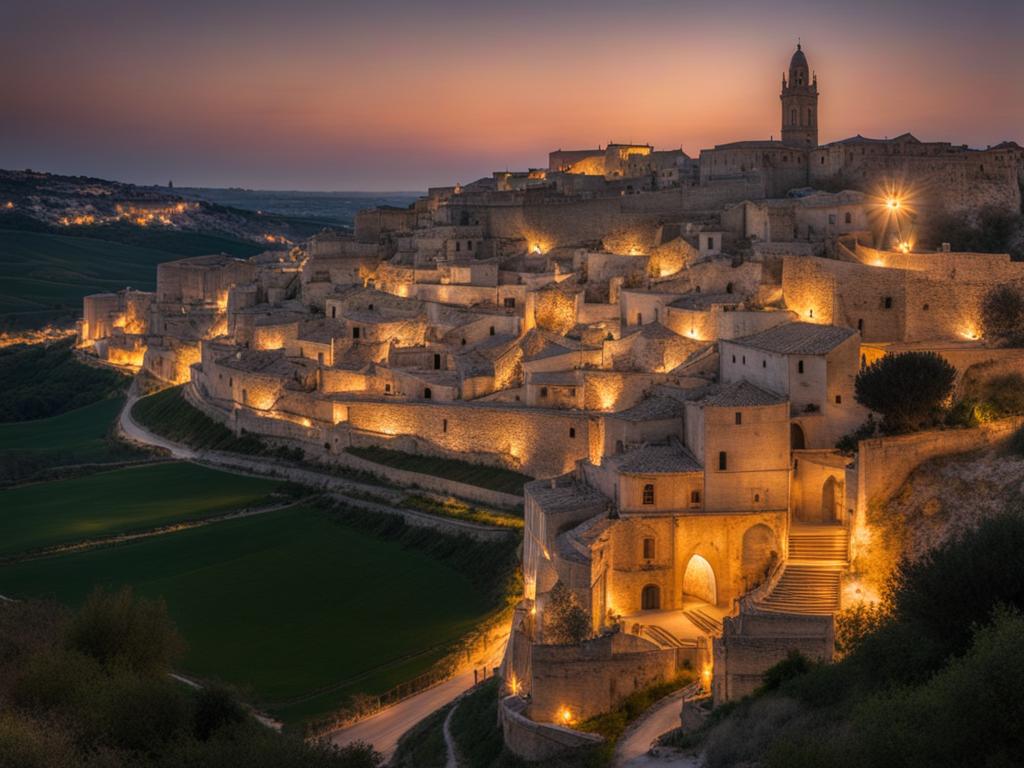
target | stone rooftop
x=798, y=339
x=654, y=408
x=741, y=394
x=673, y=458
x=703, y=301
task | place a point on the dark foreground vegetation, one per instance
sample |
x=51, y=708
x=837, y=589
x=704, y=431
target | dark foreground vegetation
x=46, y=380
x=934, y=679
x=92, y=690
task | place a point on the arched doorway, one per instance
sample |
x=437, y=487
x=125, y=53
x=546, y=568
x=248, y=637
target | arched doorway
x=796, y=438
x=759, y=553
x=699, y=580
x=829, y=496
x=650, y=598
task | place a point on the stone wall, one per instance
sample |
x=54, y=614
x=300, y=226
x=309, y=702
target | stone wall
x=753, y=642
x=534, y=741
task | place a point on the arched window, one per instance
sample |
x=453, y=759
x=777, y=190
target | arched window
x=650, y=598
x=649, y=493
x=648, y=549
x=849, y=216
x=427, y=393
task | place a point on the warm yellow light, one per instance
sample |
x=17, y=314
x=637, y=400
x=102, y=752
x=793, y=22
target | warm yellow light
x=893, y=203
x=904, y=246
x=536, y=248
x=533, y=611
x=970, y=333
x=514, y=686
x=565, y=715
x=705, y=676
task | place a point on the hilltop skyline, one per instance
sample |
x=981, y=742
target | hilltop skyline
x=402, y=97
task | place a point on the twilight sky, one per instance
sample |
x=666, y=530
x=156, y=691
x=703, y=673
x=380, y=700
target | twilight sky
x=402, y=94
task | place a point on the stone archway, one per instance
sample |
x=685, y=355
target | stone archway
x=797, y=442
x=829, y=497
x=650, y=598
x=699, y=580
x=760, y=551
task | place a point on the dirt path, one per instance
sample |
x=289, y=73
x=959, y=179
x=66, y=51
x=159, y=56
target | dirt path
x=633, y=747
x=449, y=742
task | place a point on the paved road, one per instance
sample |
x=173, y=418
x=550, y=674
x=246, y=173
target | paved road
x=139, y=434
x=632, y=750
x=384, y=729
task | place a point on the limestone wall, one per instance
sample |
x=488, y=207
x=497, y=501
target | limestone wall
x=884, y=463
x=535, y=741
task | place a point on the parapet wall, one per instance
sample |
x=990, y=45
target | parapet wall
x=884, y=463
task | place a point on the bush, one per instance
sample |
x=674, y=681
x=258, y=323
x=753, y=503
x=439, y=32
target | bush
x=908, y=389
x=565, y=621
x=1002, y=315
x=794, y=665
x=118, y=629
x=848, y=442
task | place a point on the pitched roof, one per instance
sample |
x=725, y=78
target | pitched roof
x=741, y=394
x=655, y=408
x=798, y=339
x=659, y=459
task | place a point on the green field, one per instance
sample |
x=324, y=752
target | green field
x=281, y=604
x=80, y=432
x=44, y=514
x=493, y=478
x=43, y=276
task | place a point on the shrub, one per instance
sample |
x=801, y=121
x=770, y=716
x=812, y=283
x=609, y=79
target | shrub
x=120, y=630
x=908, y=389
x=1002, y=315
x=794, y=665
x=856, y=623
x=848, y=442
x=565, y=621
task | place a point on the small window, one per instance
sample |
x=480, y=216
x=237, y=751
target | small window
x=649, y=493
x=648, y=549
x=757, y=498
x=458, y=246
x=734, y=358
x=839, y=399
x=572, y=431
x=860, y=325
x=245, y=396
x=492, y=330
x=320, y=358
x=370, y=306
x=543, y=391
x=437, y=361
x=800, y=366
x=764, y=363
x=469, y=244
x=728, y=287
x=925, y=308
x=744, y=359
x=510, y=302
x=849, y=216
x=888, y=302
x=695, y=497
x=355, y=333
x=639, y=318
x=427, y=394
x=387, y=389
x=444, y=425
x=831, y=218
x=723, y=461
x=711, y=243
x=739, y=417
x=334, y=311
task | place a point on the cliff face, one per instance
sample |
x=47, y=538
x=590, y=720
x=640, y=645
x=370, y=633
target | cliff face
x=941, y=499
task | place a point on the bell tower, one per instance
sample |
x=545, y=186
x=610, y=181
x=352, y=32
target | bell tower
x=799, y=104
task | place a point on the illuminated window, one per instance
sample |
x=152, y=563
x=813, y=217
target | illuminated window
x=649, y=493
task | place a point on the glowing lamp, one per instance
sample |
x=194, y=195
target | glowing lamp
x=705, y=676
x=904, y=247
x=565, y=715
x=893, y=204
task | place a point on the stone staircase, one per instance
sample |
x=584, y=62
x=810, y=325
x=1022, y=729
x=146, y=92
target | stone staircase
x=664, y=638
x=704, y=622
x=810, y=581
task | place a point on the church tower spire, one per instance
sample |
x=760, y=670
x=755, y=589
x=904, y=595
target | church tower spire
x=799, y=103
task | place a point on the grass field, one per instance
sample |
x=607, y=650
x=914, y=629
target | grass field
x=80, y=432
x=44, y=514
x=494, y=478
x=44, y=276
x=281, y=604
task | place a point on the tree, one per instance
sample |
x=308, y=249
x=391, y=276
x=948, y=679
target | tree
x=1002, y=315
x=908, y=389
x=566, y=623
